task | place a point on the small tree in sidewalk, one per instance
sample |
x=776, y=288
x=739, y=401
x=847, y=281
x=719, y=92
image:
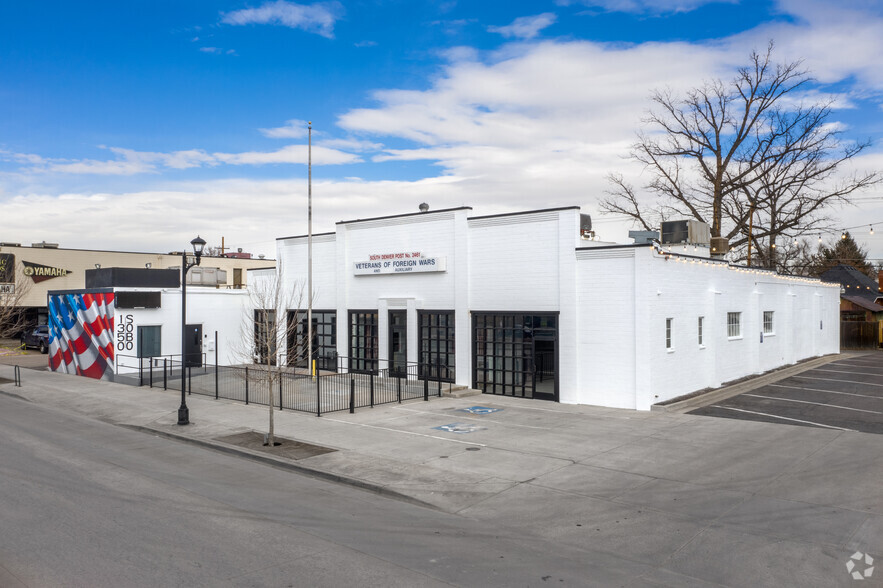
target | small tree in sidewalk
x=267, y=326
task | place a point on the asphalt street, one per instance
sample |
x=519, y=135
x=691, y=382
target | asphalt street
x=89, y=504
x=514, y=492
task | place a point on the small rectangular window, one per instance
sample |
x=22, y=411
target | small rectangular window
x=734, y=324
x=699, y=325
x=668, y=333
x=768, y=322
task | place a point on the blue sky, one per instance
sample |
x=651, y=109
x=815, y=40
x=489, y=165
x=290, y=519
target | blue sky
x=136, y=125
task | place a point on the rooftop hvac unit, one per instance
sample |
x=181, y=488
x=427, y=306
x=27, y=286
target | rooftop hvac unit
x=207, y=276
x=690, y=232
x=644, y=237
x=719, y=245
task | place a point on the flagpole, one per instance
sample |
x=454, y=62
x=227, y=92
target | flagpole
x=310, y=248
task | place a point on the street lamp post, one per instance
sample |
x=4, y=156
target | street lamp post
x=198, y=246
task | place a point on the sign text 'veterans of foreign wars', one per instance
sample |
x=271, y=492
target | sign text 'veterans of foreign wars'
x=399, y=263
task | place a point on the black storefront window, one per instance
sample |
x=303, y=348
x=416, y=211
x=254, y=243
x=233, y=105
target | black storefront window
x=324, y=339
x=363, y=348
x=516, y=354
x=436, y=344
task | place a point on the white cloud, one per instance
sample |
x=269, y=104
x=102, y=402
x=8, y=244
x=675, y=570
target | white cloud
x=835, y=41
x=316, y=18
x=351, y=144
x=131, y=162
x=21, y=157
x=289, y=154
x=525, y=27
x=292, y=129
x=645, y=6
x=101, y=168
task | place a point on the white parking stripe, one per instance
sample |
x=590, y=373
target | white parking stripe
x=871, y=362
x=847, y=372
x=815, y=403
x=825, y=391
x=775, y=416
x=841, y=381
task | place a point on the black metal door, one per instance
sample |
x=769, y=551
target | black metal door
x=193, y=346
x=398, y=343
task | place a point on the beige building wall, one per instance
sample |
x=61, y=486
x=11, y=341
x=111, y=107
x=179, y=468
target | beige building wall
x=75, y=262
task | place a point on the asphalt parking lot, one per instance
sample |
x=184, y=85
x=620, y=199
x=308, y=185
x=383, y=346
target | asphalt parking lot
x=846, y=394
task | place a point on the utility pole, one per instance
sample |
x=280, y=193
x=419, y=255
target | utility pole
x=310, y=247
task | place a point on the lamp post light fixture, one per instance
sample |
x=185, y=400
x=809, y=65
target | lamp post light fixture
x=198, y=246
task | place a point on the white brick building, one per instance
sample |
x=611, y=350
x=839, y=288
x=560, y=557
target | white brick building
x=520, y=304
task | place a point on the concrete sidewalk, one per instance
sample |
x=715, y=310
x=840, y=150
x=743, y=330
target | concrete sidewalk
x=702, y=501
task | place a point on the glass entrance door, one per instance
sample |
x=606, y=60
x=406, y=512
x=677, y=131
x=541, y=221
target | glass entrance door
x=544, y=359
x=398, y=343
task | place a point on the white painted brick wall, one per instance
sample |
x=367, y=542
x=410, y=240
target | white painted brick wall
x=225, y=311
x=514, y=265
x=606, y=330
x=292, y=256
x=683, y=290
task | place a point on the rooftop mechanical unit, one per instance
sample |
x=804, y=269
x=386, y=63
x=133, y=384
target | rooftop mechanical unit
x=688, y=232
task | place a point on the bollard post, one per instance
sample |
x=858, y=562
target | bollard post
x=371, y=395
x=280, y=389
x=216, y=365
x=151, y=371
x=426, y=387
x=165, y=375
x=399, y=389
x=438, y=373
x=18, y=376
x=318, y=397
x=246, y=385
x=352, y=396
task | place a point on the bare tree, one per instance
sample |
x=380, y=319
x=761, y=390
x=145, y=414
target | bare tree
x=794, y=191
x=730, y=151
x=267, y=327
x=13, y=319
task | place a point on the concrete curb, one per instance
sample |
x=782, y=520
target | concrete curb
x=712, y=396
x=282, y=463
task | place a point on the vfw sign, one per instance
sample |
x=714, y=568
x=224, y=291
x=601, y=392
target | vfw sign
x=399, y=263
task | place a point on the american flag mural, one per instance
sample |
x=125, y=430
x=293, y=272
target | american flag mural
x=81, y=334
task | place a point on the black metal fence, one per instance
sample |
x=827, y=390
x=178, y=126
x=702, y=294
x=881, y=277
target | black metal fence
x=292, y=389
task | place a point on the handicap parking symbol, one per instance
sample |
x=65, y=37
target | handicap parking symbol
x=459, y=428
x=480, y=410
